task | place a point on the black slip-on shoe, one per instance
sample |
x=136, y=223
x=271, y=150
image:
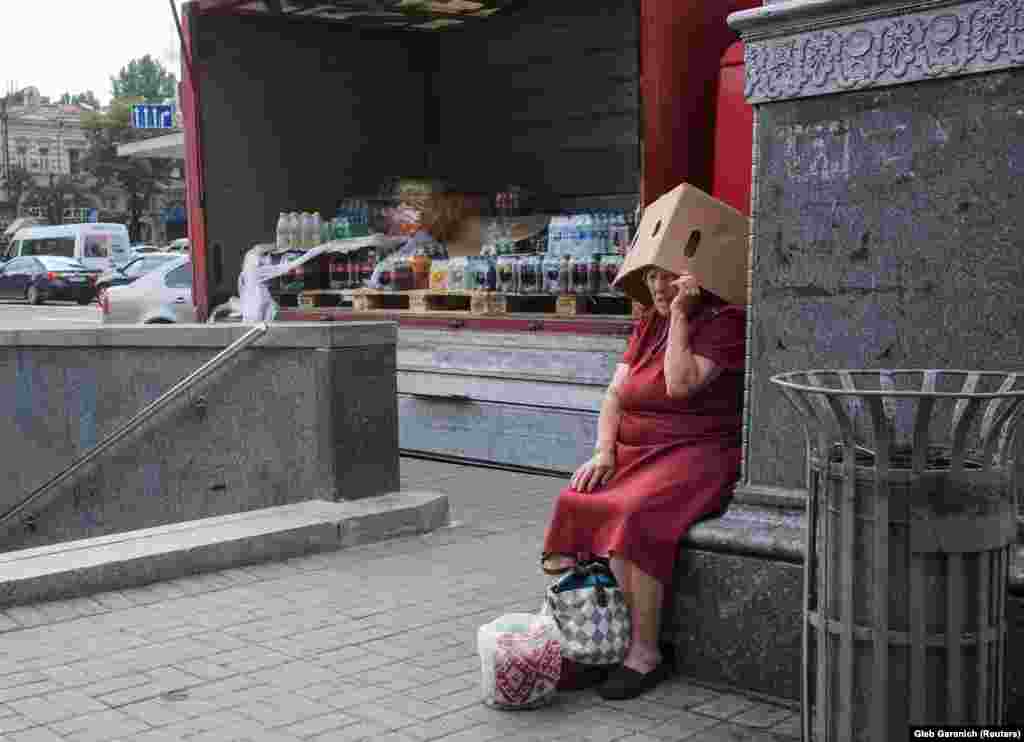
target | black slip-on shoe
x=581, y=677
x=625, y=683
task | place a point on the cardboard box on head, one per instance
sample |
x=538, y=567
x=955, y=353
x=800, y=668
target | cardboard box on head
x=688, y=230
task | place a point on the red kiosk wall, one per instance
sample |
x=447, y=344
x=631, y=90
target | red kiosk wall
x=681, y=48
x=734, y=134
x=194, y=168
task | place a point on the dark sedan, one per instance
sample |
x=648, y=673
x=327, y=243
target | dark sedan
x=43, y=277
x=132, y=270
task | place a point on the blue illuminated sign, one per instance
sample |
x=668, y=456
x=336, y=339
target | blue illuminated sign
x=153, y=116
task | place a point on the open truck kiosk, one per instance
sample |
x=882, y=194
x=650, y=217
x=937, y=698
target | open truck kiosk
x=587, y=105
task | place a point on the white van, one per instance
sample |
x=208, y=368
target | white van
x=96, y=245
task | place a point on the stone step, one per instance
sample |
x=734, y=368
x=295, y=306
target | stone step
x=74, y=568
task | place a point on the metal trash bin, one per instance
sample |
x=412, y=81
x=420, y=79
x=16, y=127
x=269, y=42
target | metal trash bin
x=911, y=516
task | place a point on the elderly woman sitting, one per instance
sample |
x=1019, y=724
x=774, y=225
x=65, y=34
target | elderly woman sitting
x=667, y=455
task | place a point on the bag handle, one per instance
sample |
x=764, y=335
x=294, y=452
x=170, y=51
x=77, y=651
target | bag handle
x=596, y=568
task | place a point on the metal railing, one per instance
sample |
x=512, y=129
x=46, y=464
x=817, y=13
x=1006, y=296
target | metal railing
x=139, y=419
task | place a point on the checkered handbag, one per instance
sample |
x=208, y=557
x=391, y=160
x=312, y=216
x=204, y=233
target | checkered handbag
x=592, y=615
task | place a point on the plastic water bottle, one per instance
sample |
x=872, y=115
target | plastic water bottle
x=350, y=218
x=342, y=230
x=318, y=231
x=585, y=240
x=307, y=230
x=352, y=214
x=555, y=235
x=490, y=240
x=300, y=238
x=294, y=231
x=299, y=234
x=313, y=230
x=281, y=241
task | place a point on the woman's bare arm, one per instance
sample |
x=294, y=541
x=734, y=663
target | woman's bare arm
x=611, y=412
x=685, y=372
x=600, y=468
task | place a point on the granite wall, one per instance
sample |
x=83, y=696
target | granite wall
x=887, y=236
x=307, y=412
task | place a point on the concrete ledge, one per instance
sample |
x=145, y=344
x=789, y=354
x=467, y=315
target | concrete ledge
x=735, y=614
x=749, y=530
x=75, y=568
x=217, y=336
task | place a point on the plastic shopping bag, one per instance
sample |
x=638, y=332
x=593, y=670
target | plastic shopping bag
x=521, y=661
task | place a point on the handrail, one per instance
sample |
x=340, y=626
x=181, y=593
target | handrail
x=141, y=417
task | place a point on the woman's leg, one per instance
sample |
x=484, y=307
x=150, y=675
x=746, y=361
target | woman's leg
x=620, y=569
x=644, y=595
x=642, y=669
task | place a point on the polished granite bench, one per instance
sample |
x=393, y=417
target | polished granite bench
x=734, y=617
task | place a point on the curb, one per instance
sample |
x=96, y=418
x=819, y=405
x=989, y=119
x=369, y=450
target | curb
x=76, y=568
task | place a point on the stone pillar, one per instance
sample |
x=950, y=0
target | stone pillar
x=888, y=157
x=889, y=151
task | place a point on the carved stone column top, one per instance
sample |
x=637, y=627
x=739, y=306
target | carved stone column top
x=803, y=48
x=779, y=18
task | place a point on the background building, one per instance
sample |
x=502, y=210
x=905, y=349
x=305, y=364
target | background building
x=48, y=141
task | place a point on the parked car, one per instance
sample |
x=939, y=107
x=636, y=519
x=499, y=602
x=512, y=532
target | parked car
x=179, y=245
x=162, y=296
x=39, y=278
x=132, y=270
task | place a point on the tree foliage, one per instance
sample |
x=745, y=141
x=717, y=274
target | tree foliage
x=140, y=179
x=86, y=100
x=144, y=78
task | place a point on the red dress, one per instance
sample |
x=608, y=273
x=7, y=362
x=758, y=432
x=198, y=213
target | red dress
x=676, y=459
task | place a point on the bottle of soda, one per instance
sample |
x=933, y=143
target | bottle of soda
x=492, y=274
x=339, y=272
x=368, y=263
x=565, y=275
x=552, y=264
x=506, y=274
x=385, y=276
x=594, y=275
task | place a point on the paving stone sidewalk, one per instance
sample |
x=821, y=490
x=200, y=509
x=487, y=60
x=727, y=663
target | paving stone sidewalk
x=373, y=643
